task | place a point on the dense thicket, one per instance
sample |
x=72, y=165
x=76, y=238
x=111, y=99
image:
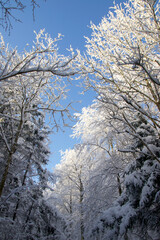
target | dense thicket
x=31, y=86
x=119, y=132
x=108, y=186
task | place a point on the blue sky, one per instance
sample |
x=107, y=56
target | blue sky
x=72, y=19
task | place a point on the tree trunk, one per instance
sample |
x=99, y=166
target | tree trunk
x=119, y=185
x=81, y=210
x=4, y=177
x=23, y=183
x=12, y=151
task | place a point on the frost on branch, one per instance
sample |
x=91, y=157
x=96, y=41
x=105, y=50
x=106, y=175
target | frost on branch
x=31, y=85
x=42, y=59
x=136, y=213
x=122, y=57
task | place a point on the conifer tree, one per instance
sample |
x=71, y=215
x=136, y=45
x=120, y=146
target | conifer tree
x=136, y=213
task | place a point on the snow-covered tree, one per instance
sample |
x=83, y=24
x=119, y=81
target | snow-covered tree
x=121, y=129
x=122, y=59
x=31, y=87
x=135, y=215
x=94, y=166
x=30, y=82
x=73, y=173
x=122, y=66
x=27, y=177
x=103, y=141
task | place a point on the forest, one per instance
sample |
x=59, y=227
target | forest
x=108, y=186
